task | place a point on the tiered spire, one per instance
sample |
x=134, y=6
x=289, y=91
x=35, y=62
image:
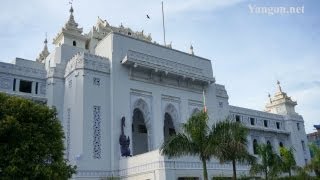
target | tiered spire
x=281, y=103
x=71, y=25
x=70, y=29
x=44, y=53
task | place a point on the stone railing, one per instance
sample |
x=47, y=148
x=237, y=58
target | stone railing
x=154, y=161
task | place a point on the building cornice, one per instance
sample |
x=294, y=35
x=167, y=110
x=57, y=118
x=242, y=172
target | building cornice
x=157, y=64
x=87, y=61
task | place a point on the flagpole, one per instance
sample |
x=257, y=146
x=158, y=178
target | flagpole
x=164, y=31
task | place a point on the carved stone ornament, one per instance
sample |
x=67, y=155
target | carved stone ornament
x=124, y=141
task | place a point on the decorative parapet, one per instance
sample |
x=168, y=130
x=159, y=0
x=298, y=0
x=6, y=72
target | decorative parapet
x=56, y=72
x=102, y=28
x=157, y=64
x=87, y=61
x=22, y=71
x=221, y=91
x=152, y=160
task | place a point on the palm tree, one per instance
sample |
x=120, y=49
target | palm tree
x=288, y=163
x=194, y=141
x=270, y=162
x=230, y=141
x=314, y=164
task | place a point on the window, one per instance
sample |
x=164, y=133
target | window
x=74, y=43
x=255, y=146
x=70, y=83
x=221, y=104
x=303, y=145
x=25, y=86
x=37, y=85
x=14, y=84
x=142, y=129
x=68, y=133
x=96, y=81
x=281, y=144
x=269, y=144
x=96, y=132
x=298, y=126
x=278, y=125
x=265, y=123
x=237, y=118
x=252, y=121
x=172, y=131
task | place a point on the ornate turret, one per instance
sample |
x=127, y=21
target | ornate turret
x=281, y=103
x=44, y=53
x=70, y=34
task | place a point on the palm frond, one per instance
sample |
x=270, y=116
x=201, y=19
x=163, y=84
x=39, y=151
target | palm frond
x=178, y=145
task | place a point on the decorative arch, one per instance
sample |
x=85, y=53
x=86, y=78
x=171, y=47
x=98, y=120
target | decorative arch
x=173, y=112
x=144, y=108
x=141, y=127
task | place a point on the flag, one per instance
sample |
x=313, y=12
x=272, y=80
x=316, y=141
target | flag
x=204, y=101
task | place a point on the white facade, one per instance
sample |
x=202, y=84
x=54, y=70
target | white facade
x=95, y=79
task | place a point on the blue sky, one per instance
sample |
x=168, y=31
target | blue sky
x=249, y=51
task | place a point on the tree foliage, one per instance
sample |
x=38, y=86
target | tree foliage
x=314, y=164
x=193, y=141
x=269, y=163
x=226, y=141
x=31, y=141
x=230, y=143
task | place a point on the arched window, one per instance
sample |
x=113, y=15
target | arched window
x=281, y=144
x=269, y=144
x=255, y=146
x=139, y=133
x=74, y=43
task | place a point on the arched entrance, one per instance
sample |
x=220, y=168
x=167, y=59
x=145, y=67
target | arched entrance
x=139, y=133
x=168, y=127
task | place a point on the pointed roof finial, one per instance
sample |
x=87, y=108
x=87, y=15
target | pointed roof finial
x=279, y=87
x=45, y=52
x=269, y=97
x=45, y=40
x=191, y=50
x=71, y=10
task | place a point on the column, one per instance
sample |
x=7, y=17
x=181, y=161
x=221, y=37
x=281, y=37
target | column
x=33, y=87
x=276, y=145
x=17, y=85
x=249, y=144
x=157, y=120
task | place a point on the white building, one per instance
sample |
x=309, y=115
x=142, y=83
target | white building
x=96, y=79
